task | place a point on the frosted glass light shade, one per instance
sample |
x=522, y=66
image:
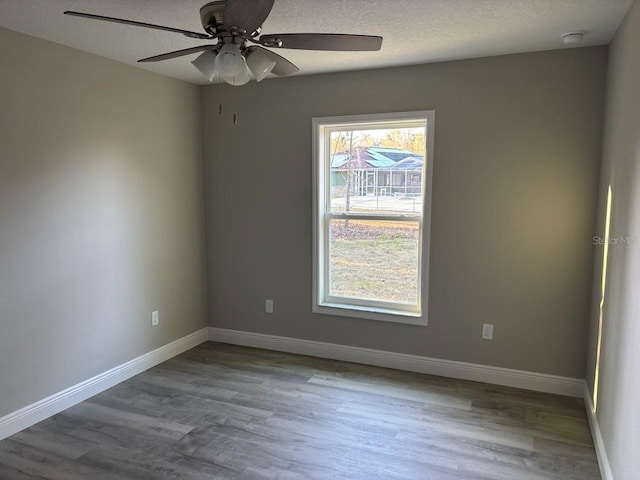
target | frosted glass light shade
x=230, y=61
x=206, y=64
x=260, y=64
x=240, y=79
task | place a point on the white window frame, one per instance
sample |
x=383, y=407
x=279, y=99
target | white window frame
x=360, y=308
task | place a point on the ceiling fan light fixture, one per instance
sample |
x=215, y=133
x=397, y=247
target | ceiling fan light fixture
x=206, y=64
x=231, y=25
x=260, y=64
x=241, y=78
x=230, y=61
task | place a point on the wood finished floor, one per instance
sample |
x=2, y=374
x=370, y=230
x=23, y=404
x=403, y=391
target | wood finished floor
x=228, y=412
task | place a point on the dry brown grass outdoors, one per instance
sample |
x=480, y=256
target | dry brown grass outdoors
x=375, y=260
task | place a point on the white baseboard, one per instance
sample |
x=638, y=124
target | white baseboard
x=601, y=452
x=36, y=412
x=414, y=363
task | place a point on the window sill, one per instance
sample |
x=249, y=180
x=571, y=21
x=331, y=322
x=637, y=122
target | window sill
x=393, y=316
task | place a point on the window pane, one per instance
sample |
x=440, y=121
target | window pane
x=377, y=171
x=374, y=260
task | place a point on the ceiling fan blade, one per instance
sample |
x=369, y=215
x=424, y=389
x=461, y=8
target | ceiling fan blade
x=283, y=66
x=323, y=41
x=247, y=15
x=186, y=33
x=178, y=53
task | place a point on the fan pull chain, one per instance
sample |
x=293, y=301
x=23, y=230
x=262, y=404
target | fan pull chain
x=218, y=87
x=221, y=106
x=235, y=103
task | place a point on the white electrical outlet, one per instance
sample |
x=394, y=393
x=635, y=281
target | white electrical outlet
x=155, y=318
x=487, y=331
x=268, y=306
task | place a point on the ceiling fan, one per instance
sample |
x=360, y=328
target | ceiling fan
x=233, y=25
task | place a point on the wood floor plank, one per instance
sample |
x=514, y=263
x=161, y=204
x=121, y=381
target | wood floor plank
x=395, y=390
x=51, y=441
x=235, y=413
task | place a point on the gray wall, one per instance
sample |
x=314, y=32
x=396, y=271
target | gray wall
x=517, y=150
x=617, y=413
x=101, y=216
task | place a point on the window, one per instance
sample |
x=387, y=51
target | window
x=372, y=192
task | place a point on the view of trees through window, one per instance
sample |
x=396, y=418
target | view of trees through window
x=375, y=211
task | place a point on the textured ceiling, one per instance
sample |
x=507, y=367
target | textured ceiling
x=414, y=31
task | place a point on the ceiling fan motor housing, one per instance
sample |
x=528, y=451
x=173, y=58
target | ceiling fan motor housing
x=211, y=16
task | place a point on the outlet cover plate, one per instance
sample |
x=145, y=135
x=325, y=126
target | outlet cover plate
x=487, y=331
